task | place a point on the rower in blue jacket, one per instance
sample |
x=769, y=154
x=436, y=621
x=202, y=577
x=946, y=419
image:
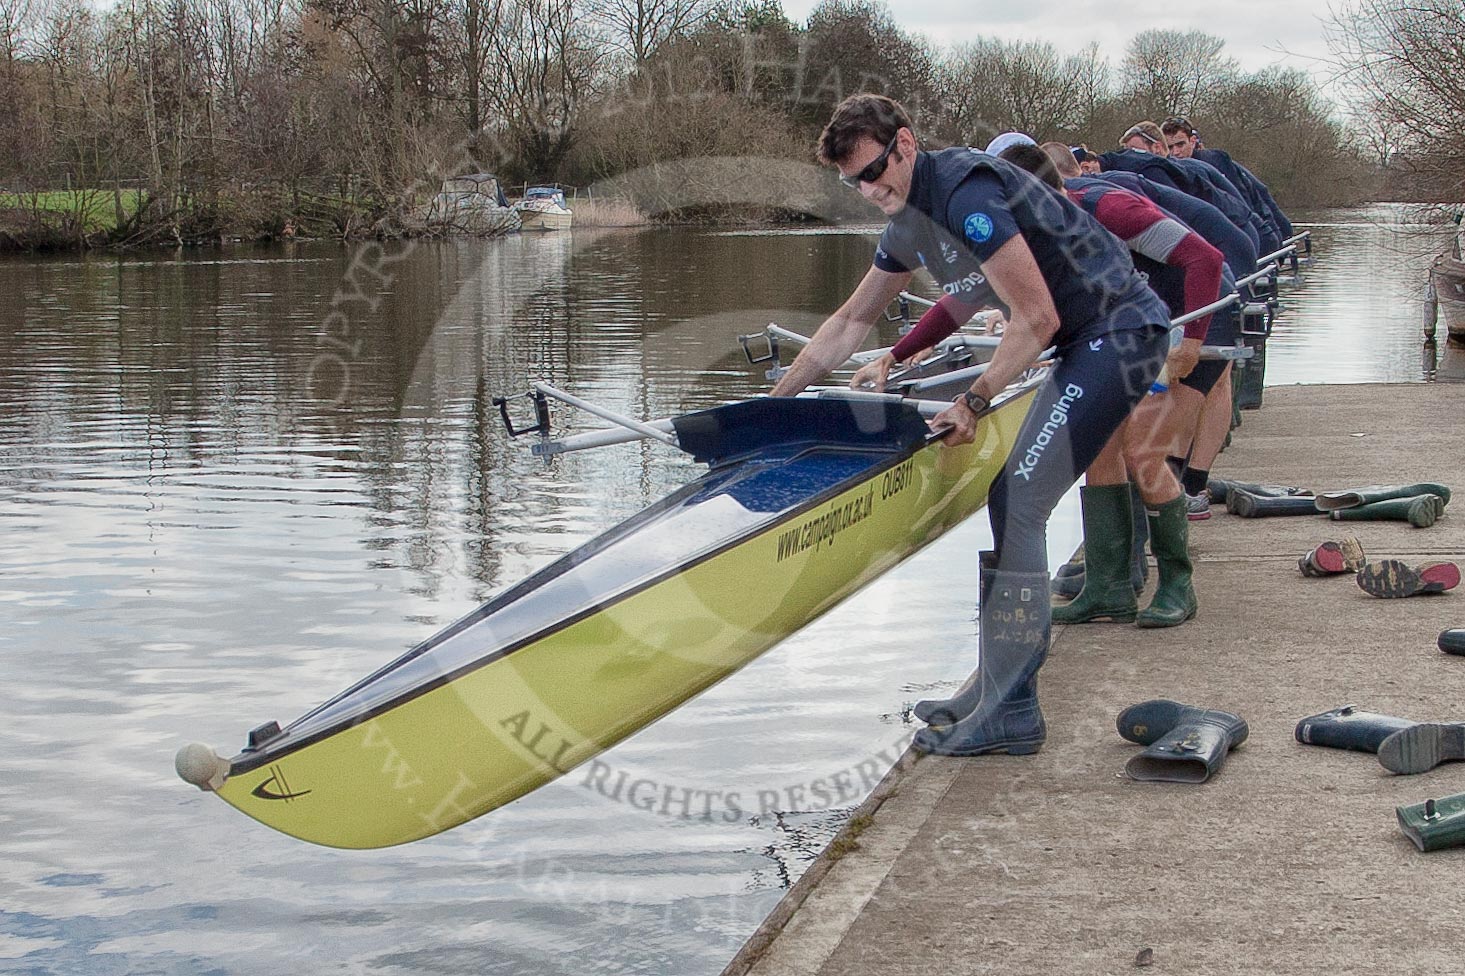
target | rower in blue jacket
x=1184, y=142
x=1144, y=154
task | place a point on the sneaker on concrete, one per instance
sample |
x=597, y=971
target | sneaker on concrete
x=1198, y=507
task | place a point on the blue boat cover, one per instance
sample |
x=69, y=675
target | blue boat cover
x=734, y=431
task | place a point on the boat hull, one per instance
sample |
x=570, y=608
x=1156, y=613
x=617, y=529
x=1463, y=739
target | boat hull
x=1448, y=279
x=526, y=714
x=545, y=219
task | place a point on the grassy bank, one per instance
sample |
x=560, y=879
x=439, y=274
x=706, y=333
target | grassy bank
x=90, y=211
x=91, y=219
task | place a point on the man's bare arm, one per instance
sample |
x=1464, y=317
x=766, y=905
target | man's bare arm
x=843, y=332
x=1014, y=275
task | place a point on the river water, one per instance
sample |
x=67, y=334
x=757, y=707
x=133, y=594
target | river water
x=232, y=482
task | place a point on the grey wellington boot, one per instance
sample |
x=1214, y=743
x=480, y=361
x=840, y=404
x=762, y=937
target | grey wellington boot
x=1107, y=591
x=1348, y=728
x=1422, y=747
x=948, y=711
x=1187, y=743
x=1015, y=631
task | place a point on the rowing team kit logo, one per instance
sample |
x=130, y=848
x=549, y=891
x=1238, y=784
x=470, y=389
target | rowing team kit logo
x=1057, y=418
x=275, y=788
x=978, y=227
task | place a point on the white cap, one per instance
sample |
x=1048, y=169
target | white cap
x=1006, y=139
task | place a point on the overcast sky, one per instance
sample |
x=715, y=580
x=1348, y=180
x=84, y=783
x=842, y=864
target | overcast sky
x=1258, y=33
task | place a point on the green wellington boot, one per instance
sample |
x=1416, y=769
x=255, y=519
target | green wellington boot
x=1420, y=511
x=1174, y=601
x=1107, y=592
x=1068, y=580
x=1187, y=743
x=1330, y=501
x=1434, y=824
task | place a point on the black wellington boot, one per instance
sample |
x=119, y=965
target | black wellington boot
x=1422, y=747
x=1452, y=641
x=1348, y=728
x=1221, y=487
x=1068, y=580
x=1253, y=376
x=1015, y=631
x=1247, y=504
x=1187, y=743
x=948, y=711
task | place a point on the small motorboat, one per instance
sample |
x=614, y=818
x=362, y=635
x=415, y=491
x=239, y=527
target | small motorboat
x=1447, y=282
x=472, y=204
x=543, y=208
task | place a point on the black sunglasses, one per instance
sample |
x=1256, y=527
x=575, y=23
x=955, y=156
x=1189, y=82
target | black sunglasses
x=875, y=170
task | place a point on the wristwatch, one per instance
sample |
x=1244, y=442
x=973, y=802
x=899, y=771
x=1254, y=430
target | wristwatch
x=974, y=402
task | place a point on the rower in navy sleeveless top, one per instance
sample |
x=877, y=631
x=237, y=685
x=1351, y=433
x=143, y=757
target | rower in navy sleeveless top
x=989, y=232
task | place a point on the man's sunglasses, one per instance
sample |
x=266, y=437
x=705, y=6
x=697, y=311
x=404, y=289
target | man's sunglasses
x=875, y=170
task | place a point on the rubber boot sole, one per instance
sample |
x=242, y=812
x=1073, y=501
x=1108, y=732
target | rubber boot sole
x=1422, y=511
x=929, y=741
x=1392, y=578
x=1153, y=622
x=1100, y=616
x=1420, y=748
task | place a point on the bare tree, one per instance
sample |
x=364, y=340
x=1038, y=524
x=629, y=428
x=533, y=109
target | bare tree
x=853, y=46
x=1171, y=70
x=639, y=28
x=1406, y=58
x=995, y=86
x=15, y=21
x=545, y=66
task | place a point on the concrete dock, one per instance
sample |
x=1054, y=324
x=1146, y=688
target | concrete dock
x=1289, y=860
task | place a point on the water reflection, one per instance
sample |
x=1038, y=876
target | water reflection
x=194, y=539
